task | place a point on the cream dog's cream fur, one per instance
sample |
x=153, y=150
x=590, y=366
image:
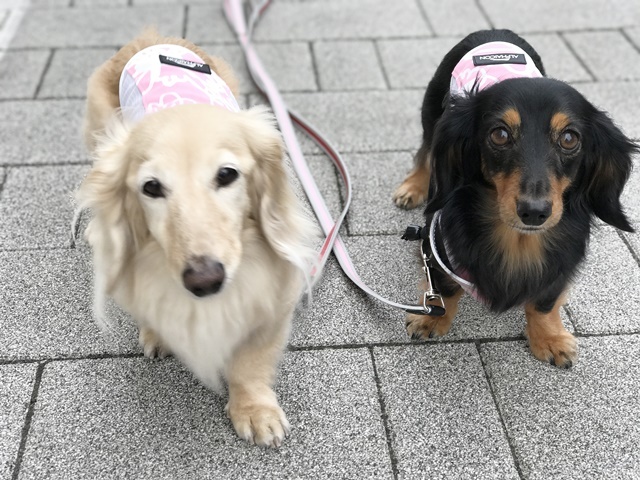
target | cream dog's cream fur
x=143, y=245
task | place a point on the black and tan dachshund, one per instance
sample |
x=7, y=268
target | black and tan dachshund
x=519, y=166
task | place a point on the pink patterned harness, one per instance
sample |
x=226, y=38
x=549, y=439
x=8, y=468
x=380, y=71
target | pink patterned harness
x=163, y=76
x=489, y=64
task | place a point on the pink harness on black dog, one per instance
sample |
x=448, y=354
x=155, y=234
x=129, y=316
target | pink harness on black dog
x=163, y=76
x=489, y=64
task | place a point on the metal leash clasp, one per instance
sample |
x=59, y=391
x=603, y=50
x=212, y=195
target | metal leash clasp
x=416, y=232
x=431, y=292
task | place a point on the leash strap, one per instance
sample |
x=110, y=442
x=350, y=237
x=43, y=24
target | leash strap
x=236, y=17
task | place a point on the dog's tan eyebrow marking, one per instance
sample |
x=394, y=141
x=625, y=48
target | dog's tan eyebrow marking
x=559, y=121
x=512, y=118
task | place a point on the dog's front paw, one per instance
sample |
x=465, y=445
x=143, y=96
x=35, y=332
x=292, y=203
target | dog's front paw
x=265, y=425
x=409, y=195
x=420, y=327
x=560, y=350
x=151, y=344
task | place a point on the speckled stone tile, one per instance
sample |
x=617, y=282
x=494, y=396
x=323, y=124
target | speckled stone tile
x=15, y=395
x=573, y=424
x=92, y=416
x=441, y=414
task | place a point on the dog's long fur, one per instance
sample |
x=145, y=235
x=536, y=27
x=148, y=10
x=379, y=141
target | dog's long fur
x=254, y=227
x=479, y=187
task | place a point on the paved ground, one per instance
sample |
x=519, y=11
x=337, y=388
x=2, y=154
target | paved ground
x=364, y=401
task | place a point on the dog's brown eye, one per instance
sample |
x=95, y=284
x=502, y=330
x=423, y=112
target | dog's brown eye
x=226, y=175
x=568, y=140
x=153, y=189
x=500, y=137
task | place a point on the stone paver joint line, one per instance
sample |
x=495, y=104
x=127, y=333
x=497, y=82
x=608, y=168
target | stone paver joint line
x=27, y=421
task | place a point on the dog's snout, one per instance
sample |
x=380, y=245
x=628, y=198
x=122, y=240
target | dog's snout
x=203, y=276
x=534, y=212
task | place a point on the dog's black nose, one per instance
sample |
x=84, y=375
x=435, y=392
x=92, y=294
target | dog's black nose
x=203, y=276
x=533, y=212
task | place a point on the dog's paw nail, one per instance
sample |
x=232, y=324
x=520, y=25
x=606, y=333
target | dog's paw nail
x=432, y=334
x=568, y=364
x=552, y=361
x=415, y=336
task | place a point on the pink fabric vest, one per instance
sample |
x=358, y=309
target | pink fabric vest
x=489, y=64
x=164, y=76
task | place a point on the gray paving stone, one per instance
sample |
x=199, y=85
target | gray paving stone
x=546, y=15
x=45, y=308
x=289, y=65
x=92, y=415
x=412, y=63
x=207, y=24
x=559, y=62
x=334, y=19
x=442, y=417
x=458, y=17
x=631, y=201
x=606, y=295
x=634, y=35
x=351, y=65
x=69, y=71
x=372, y=209
x=4, y=14
x=20, y=72
x=83, y=27
x=100, y=3
x=363, y=121
x=608, y=55
x=36, y=132
x=165, y=2
x=620, y=99
x=36, y=207
x=571, y=424
x=341, y=314
x=15, y=395
x=49, y=3
x=631, y=195
x=325, y=176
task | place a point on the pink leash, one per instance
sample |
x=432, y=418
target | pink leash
x=235, y=14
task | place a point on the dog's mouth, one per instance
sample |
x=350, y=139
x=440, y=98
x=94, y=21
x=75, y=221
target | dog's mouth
x=528, y=230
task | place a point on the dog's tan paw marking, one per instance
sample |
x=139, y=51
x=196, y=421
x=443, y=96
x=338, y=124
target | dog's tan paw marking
x=260, y=424
x=421, y=327
x=409, y=195
x=559, y=350
x=151, y=344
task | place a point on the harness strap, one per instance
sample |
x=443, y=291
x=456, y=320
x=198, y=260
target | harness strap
x=244, y=29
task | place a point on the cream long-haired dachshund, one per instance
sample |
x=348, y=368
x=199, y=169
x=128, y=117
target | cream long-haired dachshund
x=195, y=230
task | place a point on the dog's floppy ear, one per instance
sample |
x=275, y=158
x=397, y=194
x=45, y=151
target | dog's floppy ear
x=455, y=157
x=117, y=222
x=605, y=170
x=275, y=206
